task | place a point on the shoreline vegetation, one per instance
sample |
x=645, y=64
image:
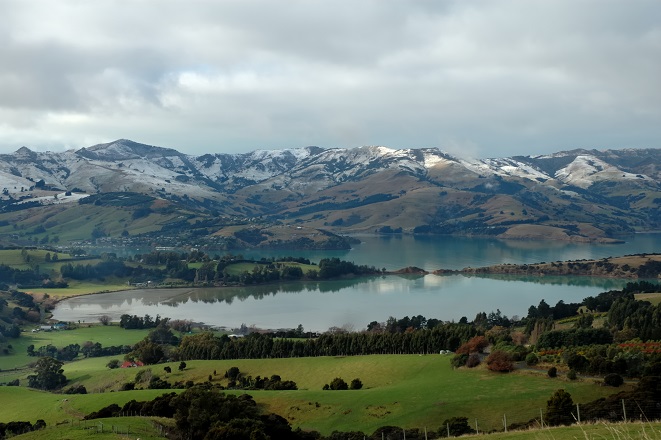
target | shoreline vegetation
x=107, y=273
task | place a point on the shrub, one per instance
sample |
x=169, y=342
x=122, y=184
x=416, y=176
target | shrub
x=76, y=389
x=571, y=375
x=500, y=361
x=473, y=360
x=338, y=384
x=457, y=426
x=459, y=360
x=553, y=372
x=532, y=359
x=559, y=409
x=475, y=344
x=356, y=384
x=613, y=380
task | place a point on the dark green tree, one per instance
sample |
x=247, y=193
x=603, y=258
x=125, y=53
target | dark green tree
x=457, y=426
x=48, y=375
x=559, y=409
x=338, y=384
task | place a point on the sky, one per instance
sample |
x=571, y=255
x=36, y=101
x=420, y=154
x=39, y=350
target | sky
x=475, y=78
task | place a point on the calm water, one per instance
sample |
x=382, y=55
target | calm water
x=355, y=303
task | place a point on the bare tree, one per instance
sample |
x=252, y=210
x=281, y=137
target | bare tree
x=104, y=319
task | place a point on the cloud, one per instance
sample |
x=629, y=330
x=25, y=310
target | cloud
x=503, y=77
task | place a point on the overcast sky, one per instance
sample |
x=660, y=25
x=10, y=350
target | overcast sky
x=480, y=78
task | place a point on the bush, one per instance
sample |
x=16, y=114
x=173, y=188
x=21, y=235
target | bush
x=459, y=360
x=553, y=372
x=457, y=426
x=338, y=384
x=475, y=344
x=473, y=360
x=613, y=380
x=559, y=409
x=356, y=384
x=571, y=375
x=500, y=361
x=532, y=359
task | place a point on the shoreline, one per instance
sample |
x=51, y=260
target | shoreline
x=535, y=270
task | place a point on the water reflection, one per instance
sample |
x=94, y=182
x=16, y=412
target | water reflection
x=355, y=302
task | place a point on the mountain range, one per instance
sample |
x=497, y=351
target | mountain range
x=570, y=195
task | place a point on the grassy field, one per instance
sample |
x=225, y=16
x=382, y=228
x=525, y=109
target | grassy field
x=102, y=429
x=239, y=268
x=403, y=390
x=654, y=298
x=106, y=335
x=77, y=288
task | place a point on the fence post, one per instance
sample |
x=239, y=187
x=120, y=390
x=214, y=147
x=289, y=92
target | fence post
x=541, y=417
x=505, y=421
x=476, y=428
x=404, y=431
x=425, y=433
x=448, y=426
x=624, y=411
x=578, y=413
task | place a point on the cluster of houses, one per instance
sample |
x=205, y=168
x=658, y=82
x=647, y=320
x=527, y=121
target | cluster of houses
x=50, y=328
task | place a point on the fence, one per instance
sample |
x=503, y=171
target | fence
x=613, y=410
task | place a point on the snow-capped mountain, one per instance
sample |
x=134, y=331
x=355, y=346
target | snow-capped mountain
x=363, y=188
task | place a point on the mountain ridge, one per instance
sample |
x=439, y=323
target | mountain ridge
x=578, y=194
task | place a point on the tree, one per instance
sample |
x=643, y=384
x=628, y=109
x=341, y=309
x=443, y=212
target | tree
x=104, y=319
x=552, y=372
x=559, y=409
x=182, y=366
x=338, y=384
x=112, y=364
x=613, y=380
x=167, y=369
x=457, y=426
x=356, y=384
x=49, y=375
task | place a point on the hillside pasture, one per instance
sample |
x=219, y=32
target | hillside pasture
x=403, y=390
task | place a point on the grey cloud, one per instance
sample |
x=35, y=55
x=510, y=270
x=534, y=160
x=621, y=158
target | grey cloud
x=505, y=77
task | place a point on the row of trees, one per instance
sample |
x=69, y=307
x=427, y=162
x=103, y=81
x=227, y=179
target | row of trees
x=447, y=336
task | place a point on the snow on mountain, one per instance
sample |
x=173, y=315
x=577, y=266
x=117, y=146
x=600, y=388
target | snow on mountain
x=585, y=170
x=124, y=165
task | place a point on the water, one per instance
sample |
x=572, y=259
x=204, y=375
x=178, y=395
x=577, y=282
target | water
x=444, y=252
x=355, y=303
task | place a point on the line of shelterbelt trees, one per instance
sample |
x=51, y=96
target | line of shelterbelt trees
x=626, y=320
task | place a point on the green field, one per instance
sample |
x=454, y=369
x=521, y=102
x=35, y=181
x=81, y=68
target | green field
x=403, y=390
x=106, y=335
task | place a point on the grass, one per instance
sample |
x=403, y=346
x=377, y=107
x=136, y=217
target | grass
x=77, y=288
x=403, y=390
x=587, y=431
x=654, y=298
x=126, y=427
x=239, y=268
x=106, y=335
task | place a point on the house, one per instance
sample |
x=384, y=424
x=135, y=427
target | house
x=131, y=364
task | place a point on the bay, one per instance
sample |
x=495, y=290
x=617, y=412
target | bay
x=354, y=303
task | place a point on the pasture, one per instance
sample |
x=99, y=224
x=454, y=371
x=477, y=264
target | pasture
x=404, y=390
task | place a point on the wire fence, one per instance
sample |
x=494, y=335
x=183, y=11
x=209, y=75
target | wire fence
x=613, y=410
